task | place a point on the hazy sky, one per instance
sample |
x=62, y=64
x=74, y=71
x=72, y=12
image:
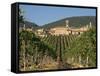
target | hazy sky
x=45, y=14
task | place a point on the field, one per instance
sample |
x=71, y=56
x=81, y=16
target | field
x=57, y=52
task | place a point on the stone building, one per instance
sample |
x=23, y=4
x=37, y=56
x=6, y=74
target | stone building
x=61, y=30
x=69, y=30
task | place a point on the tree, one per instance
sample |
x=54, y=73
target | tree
x=21, y=16
x=33, y=49
x=83, y=49
x=24, y=38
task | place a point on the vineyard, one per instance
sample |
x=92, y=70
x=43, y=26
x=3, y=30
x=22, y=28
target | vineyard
x=56, y=52
x=60, y=45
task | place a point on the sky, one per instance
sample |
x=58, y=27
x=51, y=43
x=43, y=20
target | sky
x=45, y=14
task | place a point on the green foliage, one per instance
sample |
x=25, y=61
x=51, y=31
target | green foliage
x=79, y=49
x=84, y=46
x=31, y=46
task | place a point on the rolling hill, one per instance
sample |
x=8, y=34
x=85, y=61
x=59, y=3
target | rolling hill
x=29, y=25
x=77, y=21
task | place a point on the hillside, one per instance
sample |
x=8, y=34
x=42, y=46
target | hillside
x=29, y=25
x=73, y=22
x=77, y=21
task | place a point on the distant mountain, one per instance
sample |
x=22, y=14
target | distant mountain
x=29, y=25
x=73, y=22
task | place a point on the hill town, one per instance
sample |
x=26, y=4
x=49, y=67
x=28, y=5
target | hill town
x=64, y=30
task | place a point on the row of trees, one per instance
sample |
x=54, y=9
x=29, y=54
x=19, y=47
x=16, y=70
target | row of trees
x=77, y=50
x=82, y=50
x=59, y=44
x=32, y=50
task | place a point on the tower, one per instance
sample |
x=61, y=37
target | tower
x=90, y=25
x=67, y=22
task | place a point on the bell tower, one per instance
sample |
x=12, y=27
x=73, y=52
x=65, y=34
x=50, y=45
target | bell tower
x=67, y=22
x=90, y=25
